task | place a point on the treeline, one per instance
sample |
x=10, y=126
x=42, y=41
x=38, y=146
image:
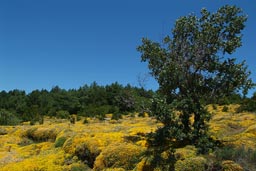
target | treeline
x=89, y=100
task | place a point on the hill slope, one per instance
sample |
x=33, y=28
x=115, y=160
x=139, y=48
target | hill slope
x=119, y=145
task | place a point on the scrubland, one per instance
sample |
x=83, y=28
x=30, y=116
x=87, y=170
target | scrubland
x=121, y=144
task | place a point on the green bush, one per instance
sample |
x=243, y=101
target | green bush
x=79, y=167
x=8, y=118
x=78, y=118
x=225, y=109
x=62, y=114
x=191, y=164
x=59, y=142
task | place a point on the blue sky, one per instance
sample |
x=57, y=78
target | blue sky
x=72, y=43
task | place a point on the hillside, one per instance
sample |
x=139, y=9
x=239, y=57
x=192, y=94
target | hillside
x=120, y=145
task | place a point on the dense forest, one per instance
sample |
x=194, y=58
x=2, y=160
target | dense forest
x=89, y=100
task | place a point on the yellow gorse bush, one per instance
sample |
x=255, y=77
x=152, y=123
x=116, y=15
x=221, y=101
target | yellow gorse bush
x=58, y=145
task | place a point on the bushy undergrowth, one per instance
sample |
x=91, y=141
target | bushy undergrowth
x=191, y=164
x=41, y=134
x=8, y=118
x=119, y=146
x=242, y=155
x=120, y=155
x=87, y=153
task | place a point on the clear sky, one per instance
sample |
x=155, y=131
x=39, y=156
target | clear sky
x=70, y=43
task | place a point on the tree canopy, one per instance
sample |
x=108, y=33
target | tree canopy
x=194, y=65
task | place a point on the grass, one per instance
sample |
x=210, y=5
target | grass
x=120, y=144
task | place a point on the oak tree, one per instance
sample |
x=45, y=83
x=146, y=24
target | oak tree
x=193, y=66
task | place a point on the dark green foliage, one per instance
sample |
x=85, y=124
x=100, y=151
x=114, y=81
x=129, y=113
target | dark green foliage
x=14, y=101
x=248, y=105
x=8, y=118
x=125, y=101
x=230, y=99
x=225, y=109
x=192, y=69
x=90, y=101
x=79, y=167
x=141, y=114
x=78, y=118
x=113, y=109
x=101, y=117
x=60, y=141
x=116, y=116
x=85, y=121
x=165, y=138
x=156, y=160
x=41, y=120
x=93, y=110
x=63, y=114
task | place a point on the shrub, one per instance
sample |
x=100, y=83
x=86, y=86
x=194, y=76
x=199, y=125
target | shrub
x=41, y=134
x=225, y=109
x=62, y=137
x=229, y=165
x=87, y=153
x=79, y=167
x=8, y=118
x=215, y=107
x=59, y=142
x=142, y=114
x=78, y=118
x=68, y=145
x=62, y=114
x=246, y=157
x=85, y=121
x=191, y=164
x=125, y=155
x=186, y=152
